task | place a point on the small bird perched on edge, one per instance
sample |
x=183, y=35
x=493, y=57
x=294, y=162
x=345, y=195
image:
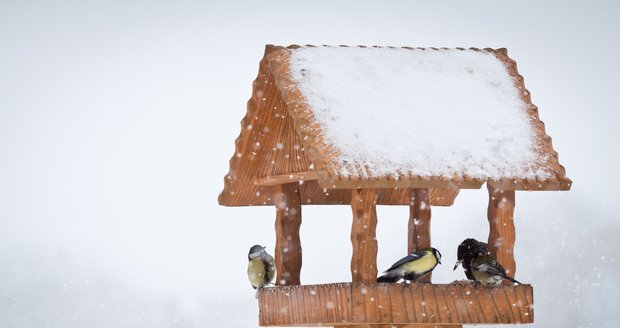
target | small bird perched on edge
x=261, y=267
x=412, y=267
x=487, y=271
x=466, y=252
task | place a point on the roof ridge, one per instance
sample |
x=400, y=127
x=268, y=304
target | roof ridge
x=503, y=50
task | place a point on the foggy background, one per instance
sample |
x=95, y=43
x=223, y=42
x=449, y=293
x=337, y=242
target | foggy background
x=118, y=118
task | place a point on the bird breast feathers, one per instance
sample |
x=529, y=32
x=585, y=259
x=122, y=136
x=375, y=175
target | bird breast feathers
x=256, y=272
x=422, y=264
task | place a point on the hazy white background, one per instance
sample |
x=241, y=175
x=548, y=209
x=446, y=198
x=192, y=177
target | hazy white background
x=118, y=118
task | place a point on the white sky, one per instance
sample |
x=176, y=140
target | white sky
x=117, y=121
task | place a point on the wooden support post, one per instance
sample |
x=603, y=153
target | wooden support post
x=419, y=228
x=419, y=233
x=363, y=236
x=288, y=245
x=502, y=228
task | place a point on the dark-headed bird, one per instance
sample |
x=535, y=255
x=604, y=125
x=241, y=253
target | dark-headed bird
x=466, y=252
x=261, y=267
x=487, y=271
x=412, y=267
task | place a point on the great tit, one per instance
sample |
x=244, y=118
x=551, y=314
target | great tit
x=466, y=252
x=412, y=267
x=261, y=267
x=487, y=271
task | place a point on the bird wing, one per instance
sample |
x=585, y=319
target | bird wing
x=408, y=258
x=270, y=269
x=491, y=268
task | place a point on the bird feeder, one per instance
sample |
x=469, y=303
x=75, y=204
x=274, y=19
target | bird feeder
x=375, y=126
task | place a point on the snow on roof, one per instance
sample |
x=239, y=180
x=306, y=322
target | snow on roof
x=434, y=112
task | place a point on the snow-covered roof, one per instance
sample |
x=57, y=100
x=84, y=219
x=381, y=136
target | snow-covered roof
x=394, y=111
x=385, y=117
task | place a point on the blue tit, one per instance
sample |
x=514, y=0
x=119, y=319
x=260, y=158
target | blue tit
x=487, y=271
x=466, y=252
x=412, y=267
x=261, y=267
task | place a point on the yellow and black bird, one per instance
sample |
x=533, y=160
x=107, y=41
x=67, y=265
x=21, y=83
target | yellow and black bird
x=412, y=267
x=466, y=252
x=487, y=271
x=261, y=267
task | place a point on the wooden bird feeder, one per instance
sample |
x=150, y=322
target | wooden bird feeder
x=285, y=157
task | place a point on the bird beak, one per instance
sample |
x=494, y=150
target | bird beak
x=457, y=264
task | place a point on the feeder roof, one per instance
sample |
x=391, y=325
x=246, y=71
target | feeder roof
x=376, y=117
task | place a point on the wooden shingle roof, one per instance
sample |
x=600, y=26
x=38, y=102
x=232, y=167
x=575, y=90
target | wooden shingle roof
x=283, y=139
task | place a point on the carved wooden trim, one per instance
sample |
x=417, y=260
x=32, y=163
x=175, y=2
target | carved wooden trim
x=286, y=178
x=422, y=305
x=309, y=305
x=288, y=245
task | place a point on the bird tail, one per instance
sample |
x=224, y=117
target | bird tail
x=512, y=280
x=386, y=278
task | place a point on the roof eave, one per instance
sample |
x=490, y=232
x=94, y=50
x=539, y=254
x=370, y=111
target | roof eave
x=552, y=184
